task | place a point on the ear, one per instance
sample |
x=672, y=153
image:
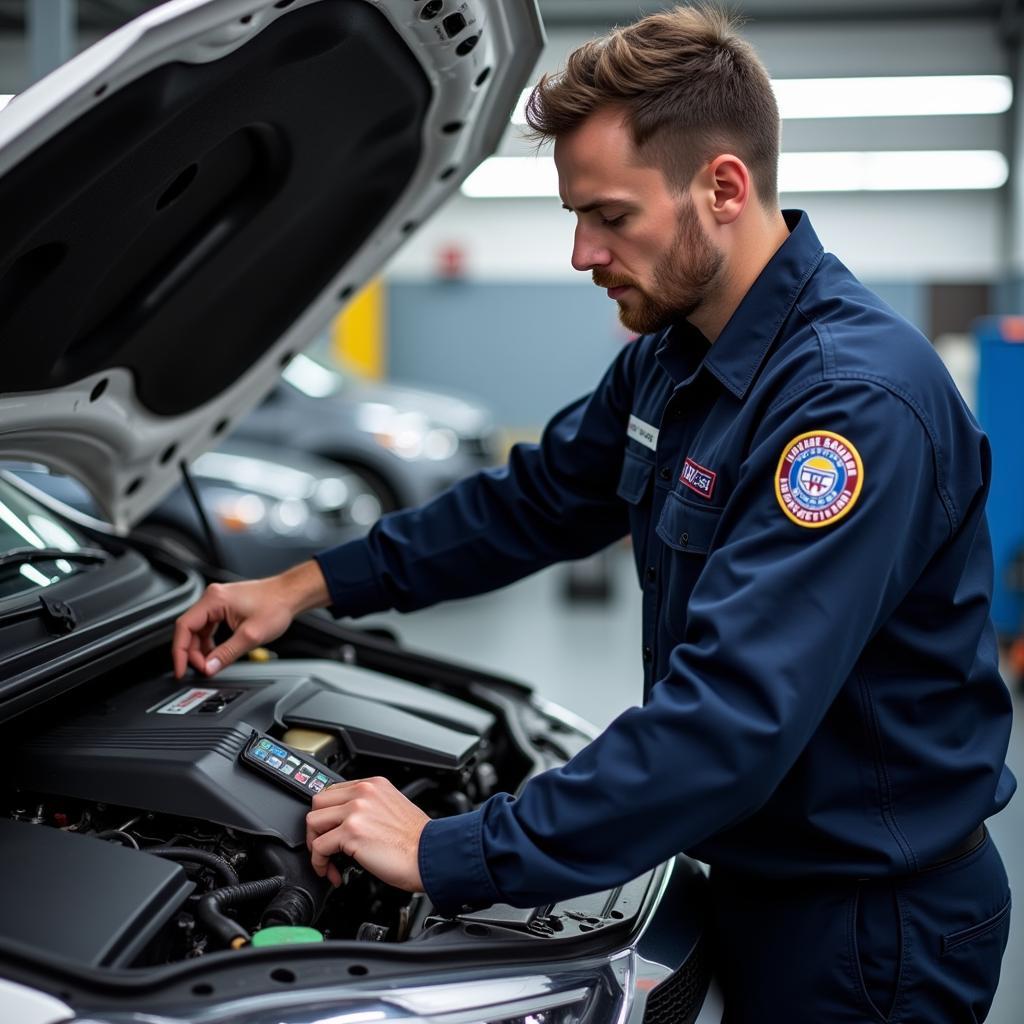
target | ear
x=729, y=187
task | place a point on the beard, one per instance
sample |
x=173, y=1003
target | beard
x=684, y=278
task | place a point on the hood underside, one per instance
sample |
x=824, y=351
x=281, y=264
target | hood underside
x=186, y=204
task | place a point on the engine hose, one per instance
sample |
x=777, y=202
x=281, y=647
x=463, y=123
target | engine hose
x=418, y=787
x=211, y=906
x=303, y=894
x=224, y=871
x=291, y=906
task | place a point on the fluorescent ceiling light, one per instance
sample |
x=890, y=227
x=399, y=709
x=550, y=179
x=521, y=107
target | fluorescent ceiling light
x=900, y=96
x=919, y=96
x=911, y=171
x=5, y=99
x=518, y=177
x=515, y=177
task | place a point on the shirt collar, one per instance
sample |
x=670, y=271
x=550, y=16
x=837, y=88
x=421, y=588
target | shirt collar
x=740, y=349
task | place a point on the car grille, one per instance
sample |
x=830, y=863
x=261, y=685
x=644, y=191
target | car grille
x=678, y=999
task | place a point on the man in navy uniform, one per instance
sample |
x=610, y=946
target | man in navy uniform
x=823, y=720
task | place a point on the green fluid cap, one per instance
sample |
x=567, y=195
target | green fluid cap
x=285, y=935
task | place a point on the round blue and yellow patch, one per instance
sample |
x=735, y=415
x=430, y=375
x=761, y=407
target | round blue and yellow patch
x=819, y=478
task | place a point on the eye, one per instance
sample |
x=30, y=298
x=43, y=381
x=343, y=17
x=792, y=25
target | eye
x=611, y=222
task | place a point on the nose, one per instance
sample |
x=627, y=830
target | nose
x=586, y=253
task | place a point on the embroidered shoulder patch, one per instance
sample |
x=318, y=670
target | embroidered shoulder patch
x=819, y=478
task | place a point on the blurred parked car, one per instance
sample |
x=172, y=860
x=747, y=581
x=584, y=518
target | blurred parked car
x=407, y=443
x=268, y=507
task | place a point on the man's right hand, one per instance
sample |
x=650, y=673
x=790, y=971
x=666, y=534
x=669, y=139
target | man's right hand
x=257, y=611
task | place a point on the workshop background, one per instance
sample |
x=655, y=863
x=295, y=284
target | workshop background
x=916, y=182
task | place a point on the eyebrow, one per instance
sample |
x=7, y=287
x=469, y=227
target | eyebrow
x=596, y=204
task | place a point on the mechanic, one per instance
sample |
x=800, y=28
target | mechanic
x=823, y=722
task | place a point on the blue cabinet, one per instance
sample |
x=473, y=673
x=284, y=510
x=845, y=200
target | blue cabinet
x=1001, y=412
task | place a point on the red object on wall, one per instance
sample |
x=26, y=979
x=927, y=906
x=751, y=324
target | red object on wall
x=451, y=262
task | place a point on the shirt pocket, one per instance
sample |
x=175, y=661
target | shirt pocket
x=636, y=474
x=688, y=532
x=634, y=489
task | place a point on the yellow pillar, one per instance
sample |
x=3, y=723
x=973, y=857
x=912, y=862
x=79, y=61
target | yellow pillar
x=359, y=333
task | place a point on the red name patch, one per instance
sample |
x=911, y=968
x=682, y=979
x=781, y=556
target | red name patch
x=698, y=479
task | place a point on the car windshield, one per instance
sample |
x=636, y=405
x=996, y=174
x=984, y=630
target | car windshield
x=37, y=549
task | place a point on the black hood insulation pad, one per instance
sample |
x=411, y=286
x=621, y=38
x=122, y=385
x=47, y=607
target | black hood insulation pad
x=181, y=226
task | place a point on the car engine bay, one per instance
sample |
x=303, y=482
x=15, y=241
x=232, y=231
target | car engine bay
x=131, y=807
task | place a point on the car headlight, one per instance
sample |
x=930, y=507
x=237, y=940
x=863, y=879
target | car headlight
x=440, y=443
x=330, y=493
x=244, y=512
x=239, y=513
x=249, y=494
x=349, y=501
x=524, y=999
x=365, y=509
x=289, y=516
x=409, y=435
x=531, y=1000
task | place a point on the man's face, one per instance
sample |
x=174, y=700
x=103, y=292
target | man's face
x=639, y=239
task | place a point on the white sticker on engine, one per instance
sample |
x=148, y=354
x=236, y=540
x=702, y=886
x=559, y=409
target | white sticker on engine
x=185, y=702
x=643, y=432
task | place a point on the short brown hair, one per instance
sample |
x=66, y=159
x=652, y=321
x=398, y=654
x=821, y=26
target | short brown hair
x=688, y=85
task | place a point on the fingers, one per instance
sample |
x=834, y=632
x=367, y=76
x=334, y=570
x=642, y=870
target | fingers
x=204, y=615
x=257, y=611
x=326, y=830
x=372, y=822
x=205, y=638
x=331, y=817
x=326, y=846
x=339, y=793
x=196, y=657
x=241, y=642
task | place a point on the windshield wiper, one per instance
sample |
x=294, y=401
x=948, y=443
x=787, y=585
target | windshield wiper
x=19, y=556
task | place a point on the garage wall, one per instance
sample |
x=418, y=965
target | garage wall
x=526, y=348
x=883, y=236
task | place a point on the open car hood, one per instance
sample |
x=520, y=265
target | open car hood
x=186, y=204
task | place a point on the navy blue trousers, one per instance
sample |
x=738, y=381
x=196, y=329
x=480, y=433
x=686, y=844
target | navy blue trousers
x=910, y=950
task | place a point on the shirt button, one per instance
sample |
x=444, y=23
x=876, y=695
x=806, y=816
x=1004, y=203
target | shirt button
x=652, y=574
x=665, y=473
x=648, y=654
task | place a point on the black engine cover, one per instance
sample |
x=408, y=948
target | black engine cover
x=173, y=747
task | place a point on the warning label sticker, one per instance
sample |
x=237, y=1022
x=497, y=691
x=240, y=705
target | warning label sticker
x=184, y=702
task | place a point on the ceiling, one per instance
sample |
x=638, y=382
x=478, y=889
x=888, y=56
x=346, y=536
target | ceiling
x=609, y=12
x=105, y=15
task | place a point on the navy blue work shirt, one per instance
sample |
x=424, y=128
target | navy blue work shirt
x=806, y=501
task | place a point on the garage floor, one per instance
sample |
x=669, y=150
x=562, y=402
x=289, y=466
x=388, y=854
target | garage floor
x=586, y=656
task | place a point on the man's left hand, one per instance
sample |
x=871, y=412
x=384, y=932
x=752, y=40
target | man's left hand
x=372, y=822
